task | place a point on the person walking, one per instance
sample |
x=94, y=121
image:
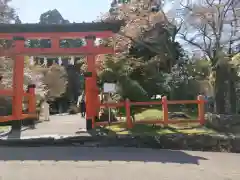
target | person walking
x=83, y=107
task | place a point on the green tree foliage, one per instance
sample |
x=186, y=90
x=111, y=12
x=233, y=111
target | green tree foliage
x=7, y=13
x=55, y=79
x=52, y=17
x=119, y=71
x=148, y=50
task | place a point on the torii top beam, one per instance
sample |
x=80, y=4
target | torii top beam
x=73, y=30
x=56, y=32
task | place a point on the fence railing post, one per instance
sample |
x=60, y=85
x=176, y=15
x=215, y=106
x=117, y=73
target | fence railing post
x=128, y=114
x=165, y=111
x=31, y=99
x=94, y=121
x=201, y=109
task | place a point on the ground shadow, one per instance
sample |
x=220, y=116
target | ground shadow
x=15, y=133
x=97, y=154
x=31, y=126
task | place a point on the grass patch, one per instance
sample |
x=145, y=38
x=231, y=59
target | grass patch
x=4, y=128
x=149, y=114
x=155, y=114
x=142, y=129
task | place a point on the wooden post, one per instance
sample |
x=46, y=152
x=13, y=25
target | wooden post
x=201, y=109
x=128, y=114
x=18, y=79
x=32, y=99
x=91, y=86
x=165, y=111
x=93, y=121
x=55, y=42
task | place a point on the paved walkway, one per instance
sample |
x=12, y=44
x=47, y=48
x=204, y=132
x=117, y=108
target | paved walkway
x=73, y=163
x=59, y=125
x=78, y=163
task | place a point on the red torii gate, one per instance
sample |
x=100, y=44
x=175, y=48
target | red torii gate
x=22, y=32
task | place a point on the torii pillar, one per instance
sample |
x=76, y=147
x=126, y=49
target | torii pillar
x=91, y=89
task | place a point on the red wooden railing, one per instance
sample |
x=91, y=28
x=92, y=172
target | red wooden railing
x=31, y=105
x=165, y=119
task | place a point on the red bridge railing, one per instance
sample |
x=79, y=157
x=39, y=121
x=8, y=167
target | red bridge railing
x=164, y=120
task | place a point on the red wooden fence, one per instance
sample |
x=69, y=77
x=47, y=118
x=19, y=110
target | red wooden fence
x=165, y=120
x=31, y=105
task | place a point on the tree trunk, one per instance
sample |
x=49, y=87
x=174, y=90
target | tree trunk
x=232, y=91
x=219, y=89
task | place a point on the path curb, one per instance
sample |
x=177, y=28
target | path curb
x=217, y=143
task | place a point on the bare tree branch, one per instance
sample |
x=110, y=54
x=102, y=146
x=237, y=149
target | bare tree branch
x=209, y=20
x=191, y=42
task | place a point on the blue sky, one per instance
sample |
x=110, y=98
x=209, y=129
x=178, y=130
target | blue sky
x=29, y=11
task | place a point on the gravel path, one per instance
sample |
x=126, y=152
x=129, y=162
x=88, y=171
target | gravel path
x=78, y=163
x=59, y=125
